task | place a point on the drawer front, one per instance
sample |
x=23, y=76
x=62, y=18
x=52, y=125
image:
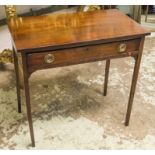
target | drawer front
x=84, y=54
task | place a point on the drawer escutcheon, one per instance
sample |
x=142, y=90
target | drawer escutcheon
x=122, y=48
x=49, y=58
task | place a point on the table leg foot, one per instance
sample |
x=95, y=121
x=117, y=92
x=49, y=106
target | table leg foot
x=33, y=144
x=106, y=77
x=126, y=123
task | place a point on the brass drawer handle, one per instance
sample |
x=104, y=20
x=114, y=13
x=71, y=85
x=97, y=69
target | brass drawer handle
x=49, y=58
x=122, y=48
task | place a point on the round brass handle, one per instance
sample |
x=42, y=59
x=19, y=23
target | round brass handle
x=49, y=58
x=122, y=48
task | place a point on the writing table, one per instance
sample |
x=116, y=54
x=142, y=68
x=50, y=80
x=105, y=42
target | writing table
x=65, y=39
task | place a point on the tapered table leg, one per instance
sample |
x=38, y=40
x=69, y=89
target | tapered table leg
x=27, y=97
x=106, y=76
x=17, y=80
x=134, y=82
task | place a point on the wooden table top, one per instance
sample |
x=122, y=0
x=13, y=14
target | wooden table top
x=72, y=29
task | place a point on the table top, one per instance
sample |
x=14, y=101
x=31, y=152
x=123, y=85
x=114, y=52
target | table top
x=72, y=29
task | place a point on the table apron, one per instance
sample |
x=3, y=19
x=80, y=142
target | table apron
x=78, y=55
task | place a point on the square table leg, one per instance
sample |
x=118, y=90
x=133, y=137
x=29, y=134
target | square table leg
x=27, y=98
x=106, y=77
x=16, y=68
x=134, y=81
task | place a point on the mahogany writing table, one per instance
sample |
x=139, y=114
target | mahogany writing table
x=59, y=40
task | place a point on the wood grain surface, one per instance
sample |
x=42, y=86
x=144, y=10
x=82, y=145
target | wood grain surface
x=31, y=34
